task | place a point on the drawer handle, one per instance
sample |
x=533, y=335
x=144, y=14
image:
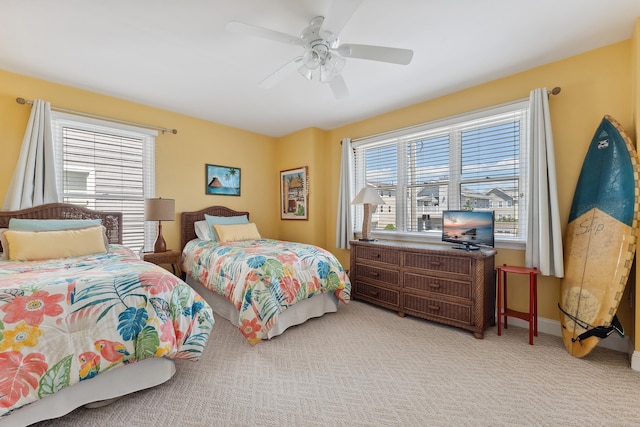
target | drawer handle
x=433, y=307
x=436, y=263
x=434, y=286
x=375, y=274
x=373, y=293
x=376, y=255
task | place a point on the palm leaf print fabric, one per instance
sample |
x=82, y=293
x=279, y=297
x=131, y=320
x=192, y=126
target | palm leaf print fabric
x=264, y=277
x=67, y=320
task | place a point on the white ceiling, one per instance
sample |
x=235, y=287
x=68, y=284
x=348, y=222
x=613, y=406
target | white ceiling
x=177, y=55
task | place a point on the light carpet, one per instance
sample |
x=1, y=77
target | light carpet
x=366, y=366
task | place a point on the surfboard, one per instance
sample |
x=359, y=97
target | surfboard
x=600, y=240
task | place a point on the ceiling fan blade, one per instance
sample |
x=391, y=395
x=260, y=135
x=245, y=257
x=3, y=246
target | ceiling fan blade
x=265, y=33
x=282, y=72
x=376, y=53
x=339, y=14
x=339, y=87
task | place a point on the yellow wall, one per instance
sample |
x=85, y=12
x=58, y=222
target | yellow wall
x=304, y=148
x=180, y=159
x=593, y=84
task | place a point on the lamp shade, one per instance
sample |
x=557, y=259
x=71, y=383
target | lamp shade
x=159, y=209
x=368, y=195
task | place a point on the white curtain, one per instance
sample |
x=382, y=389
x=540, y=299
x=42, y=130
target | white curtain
x=344, y=226
x=544, y=235
x=34, y=178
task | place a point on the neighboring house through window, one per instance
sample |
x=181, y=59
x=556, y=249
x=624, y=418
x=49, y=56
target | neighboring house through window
x=107, y=167
x=473, y=161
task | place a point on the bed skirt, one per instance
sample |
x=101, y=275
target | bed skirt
x=294, y=315
x=96, y=392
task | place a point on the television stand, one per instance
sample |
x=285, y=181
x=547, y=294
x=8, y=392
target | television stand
x=433, y=282
x=467, y=247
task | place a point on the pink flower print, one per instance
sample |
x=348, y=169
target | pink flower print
x=32, y=308
x=289, y=287
x=287, y=257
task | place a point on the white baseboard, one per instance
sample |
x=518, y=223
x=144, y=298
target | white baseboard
x=635, y=360
x=613, y=342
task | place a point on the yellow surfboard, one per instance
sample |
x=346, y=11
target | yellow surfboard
x=600, y=241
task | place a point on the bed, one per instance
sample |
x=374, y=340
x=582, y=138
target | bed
x=262, y=286
x=86, y=329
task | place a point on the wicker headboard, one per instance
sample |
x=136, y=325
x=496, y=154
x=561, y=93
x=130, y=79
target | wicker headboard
x=187, y=219
x=111, y=220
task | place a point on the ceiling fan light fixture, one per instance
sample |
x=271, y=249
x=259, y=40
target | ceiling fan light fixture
x=331, y=67
x=322, y=49
x=326, y=74
x=311, y=59
x=336, y=62
x=305, y=72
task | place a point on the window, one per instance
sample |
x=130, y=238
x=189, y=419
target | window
x=475, y=161
x=107, y=167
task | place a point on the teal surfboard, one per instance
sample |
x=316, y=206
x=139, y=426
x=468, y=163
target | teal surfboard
x=600, y=241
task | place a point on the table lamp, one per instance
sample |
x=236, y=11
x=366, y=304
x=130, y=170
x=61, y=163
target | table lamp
x=159, y=210
x=368, y=196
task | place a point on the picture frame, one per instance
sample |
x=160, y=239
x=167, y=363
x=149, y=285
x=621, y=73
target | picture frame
x=222, y=180
x=294, y=194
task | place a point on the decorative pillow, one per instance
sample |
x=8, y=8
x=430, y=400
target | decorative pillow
x=223, y=220
x=50, y=224
x=202, y=230
x=3, y=241
x=236, y=232
x=38, y=245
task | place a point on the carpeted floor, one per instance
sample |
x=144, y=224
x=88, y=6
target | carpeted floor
x=366, y=366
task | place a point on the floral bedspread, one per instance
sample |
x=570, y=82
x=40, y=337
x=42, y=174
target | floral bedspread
x=67, y=320
x=263, y=277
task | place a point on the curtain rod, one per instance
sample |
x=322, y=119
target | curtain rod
x=109, y=119
x=556, y=90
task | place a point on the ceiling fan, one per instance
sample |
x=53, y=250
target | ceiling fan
x=324, y=57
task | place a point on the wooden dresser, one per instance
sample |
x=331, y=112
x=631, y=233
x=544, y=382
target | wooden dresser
x=435, y=282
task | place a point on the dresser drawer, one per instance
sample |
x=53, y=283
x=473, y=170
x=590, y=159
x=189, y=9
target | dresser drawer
x=386, y=256
x=447, y=264
x=382, y=296
x=365, y=272
x=437, y=285
x=417, y=305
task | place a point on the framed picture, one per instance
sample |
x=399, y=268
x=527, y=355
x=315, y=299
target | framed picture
x=222, y=180
x=294, y=194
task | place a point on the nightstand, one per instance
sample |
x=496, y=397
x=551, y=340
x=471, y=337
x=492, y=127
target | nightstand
x=168, y=257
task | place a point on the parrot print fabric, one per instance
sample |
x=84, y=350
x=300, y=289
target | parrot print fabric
x=263, y=277
x=63, y=321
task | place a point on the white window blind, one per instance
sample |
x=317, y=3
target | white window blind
x=474, y=161
x=107, y=167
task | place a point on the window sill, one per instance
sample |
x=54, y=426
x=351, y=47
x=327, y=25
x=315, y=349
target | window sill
x=422, y=238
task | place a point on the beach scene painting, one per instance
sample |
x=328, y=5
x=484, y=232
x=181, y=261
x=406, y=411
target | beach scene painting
x=222, y=180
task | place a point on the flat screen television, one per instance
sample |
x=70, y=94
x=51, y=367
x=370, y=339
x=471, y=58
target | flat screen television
x=468, y=229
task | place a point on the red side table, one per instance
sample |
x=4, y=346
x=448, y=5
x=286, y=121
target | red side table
x=504, y=312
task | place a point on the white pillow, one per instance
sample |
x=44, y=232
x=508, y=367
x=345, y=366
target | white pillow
x=202, y=230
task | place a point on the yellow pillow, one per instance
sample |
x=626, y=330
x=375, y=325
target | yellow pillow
x=37, y=245
x=236, y=232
